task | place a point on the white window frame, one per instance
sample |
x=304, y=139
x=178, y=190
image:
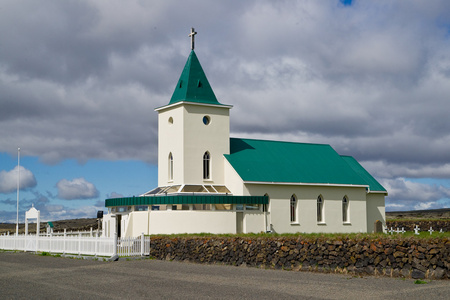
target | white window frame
x=207, y=166
x=345, y=210
x=170, y=167
x=293, y=206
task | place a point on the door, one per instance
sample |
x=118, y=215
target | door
x=239, y=222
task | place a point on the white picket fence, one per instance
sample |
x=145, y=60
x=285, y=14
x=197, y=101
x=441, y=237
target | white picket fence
x=77, y=245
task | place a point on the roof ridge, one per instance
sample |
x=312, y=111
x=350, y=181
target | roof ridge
x=274, y=141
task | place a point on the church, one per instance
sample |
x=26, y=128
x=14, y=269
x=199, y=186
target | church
x=213, y=183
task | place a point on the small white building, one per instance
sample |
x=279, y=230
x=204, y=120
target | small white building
x=209, y=182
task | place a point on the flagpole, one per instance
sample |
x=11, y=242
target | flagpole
x=18, y=188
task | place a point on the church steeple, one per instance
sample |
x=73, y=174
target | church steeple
x=193, y=131
x=193, y=86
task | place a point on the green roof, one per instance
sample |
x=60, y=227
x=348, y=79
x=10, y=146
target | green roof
x=193, y=86
x=187, y=199
x=354, y=164
x=286, y=162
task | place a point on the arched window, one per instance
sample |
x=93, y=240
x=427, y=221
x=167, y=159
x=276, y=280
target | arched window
x=293, y=208
x=170, y=166
x=206, y=166
x=320, y=209
x=345, y=209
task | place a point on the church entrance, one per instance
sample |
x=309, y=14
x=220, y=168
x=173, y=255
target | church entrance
x=119, y=225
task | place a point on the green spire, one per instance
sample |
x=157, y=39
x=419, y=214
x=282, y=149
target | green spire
x=193, y=86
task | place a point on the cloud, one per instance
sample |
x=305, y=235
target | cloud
x=409, y=170
x=49, y=209
x=114, y=195
x=409, y=195
x=394, y=206
x=373, y=89
x=81, y=79
x=77, y=188
x=8, y=180
x=405, y=190
x=425, y=206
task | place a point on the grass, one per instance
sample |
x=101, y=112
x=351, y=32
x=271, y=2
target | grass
x=418, y=281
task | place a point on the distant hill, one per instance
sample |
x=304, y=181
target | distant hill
x=443, y=213
x=72, y=224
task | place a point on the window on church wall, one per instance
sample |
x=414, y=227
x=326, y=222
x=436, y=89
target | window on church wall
x=345, y=209
x=320, y=218
x=170, y=166
x=252, y=207
x=223, y=206
x=206, y=166
x=293, y=208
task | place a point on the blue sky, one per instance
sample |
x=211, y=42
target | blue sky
x=94, y=180
x=79, y=82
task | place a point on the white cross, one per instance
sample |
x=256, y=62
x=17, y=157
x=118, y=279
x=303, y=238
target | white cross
x=397, y=231
x=391, y=231
x=431, y=230
x=416, y=230
x=441, y=231
x=403, y=230
x=192, y=36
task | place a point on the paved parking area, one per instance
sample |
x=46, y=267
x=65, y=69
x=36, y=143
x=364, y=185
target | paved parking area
x=25, y=275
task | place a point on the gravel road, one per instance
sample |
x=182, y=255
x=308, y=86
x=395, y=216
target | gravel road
x=25, y=275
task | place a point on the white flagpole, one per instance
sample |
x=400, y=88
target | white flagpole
x=18, y=188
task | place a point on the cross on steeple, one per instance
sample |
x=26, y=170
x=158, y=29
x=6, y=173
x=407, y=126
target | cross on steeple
x=192, y=35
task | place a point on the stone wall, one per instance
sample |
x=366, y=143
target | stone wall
x=400, y=257
x=423, y=225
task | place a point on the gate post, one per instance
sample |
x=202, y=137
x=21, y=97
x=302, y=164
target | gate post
x=64, y=242
x=115, y=244
x=142, y=244
x=79, y=244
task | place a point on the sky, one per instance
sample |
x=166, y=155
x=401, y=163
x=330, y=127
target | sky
x=79, y=82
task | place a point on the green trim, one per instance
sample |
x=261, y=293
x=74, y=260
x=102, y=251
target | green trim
x=187, y=199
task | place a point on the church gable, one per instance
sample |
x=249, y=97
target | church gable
x=286, y=162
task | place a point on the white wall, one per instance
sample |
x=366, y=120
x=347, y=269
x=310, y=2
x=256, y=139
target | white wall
x=279, y=208
x=188, y=138
x=253, y=222
x=375, y=210
x=168, y=222
x=170, y=139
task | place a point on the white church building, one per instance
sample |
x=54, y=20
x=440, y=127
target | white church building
x=209, y=182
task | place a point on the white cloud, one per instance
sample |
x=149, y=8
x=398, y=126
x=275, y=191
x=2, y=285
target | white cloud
x=408, y=195
x=424, y=205
x=407, y=170
x=77, y=188
x=395, y=206
x=8, y=180
x=114, y=195
x=353, y=77
x=405, y=190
